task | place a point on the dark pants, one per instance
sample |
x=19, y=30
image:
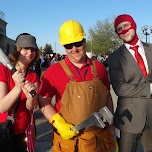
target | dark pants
x=18, y=144
x=128, y=141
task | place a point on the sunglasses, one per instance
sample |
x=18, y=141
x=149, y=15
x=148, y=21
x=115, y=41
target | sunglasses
x=76, y=44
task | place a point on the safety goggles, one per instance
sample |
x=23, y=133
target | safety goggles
x=76, y=44
x=123, y=27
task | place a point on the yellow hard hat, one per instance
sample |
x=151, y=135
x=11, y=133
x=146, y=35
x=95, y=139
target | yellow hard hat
x=71, y=31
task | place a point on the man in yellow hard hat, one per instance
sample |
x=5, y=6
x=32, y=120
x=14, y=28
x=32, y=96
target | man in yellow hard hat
x=81, y=88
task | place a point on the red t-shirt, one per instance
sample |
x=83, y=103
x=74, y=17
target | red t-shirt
x=23, y=115
x=55, y=79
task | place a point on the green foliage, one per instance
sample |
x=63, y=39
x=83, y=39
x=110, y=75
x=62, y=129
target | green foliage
x=47, y=49
x=41, y=50
x=102, y=37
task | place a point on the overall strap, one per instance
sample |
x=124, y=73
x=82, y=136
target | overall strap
x=70, y=74
x=67, y=70
x=93, y=69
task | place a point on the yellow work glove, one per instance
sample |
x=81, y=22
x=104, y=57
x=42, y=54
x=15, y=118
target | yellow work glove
x=63, y=128
x=117, y=147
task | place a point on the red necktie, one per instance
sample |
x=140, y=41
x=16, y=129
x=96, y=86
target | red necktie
x=139, y=60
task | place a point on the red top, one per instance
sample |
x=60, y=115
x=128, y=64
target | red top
x=55, y=79
x=23, y=114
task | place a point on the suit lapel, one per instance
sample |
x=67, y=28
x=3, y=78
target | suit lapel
x=130, y=58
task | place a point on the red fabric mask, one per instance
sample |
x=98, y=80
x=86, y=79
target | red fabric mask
x=125, y=31
x=123, y=18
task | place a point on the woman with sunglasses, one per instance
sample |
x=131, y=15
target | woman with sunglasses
x=81, y=88
x=16, y=100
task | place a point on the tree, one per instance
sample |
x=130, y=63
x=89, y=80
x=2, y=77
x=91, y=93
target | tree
x=102, y=37
x=41, y=50
x=47, y=49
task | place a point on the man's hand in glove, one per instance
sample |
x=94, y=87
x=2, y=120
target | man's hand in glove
x=63, y=128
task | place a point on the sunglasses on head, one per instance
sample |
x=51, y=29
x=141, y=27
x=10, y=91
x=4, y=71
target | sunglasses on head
x=76, y=44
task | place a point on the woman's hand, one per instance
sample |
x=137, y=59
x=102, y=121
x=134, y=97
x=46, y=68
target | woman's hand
x=31, y=101
x=18, y=79
x=27, y=87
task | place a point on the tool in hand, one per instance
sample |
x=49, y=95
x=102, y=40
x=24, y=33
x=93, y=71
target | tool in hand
x=5, y=61
x=97, y=119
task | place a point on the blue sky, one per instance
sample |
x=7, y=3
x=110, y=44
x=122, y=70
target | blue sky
x=44, y=18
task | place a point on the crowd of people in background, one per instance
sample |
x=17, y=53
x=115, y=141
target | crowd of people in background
x=45, y=61
x=49, y=59
x=101, y=58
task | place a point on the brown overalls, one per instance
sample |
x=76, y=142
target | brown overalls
x=79, y=101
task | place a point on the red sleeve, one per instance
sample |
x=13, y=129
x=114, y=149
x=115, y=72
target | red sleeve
x=5, y=74
x=47, y=87
x=6, y=77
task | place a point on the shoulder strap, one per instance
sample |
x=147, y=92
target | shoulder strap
x=67, y=70
x=12, y=111
x=94, y=69
x=70, y=74
x=17, y=103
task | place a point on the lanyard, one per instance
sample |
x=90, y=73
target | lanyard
x=85, y=72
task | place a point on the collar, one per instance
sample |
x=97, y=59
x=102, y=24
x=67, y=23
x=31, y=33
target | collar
x=139, y=43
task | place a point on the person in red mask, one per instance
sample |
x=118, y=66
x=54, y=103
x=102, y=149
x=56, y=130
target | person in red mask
x=130, y=69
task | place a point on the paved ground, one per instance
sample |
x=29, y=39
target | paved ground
x=44, y=131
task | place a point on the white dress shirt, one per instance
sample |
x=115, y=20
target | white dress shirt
x=142, y=53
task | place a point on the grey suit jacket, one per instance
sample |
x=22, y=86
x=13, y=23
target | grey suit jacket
x=134, y=106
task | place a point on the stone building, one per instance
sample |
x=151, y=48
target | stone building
x=6, y=43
